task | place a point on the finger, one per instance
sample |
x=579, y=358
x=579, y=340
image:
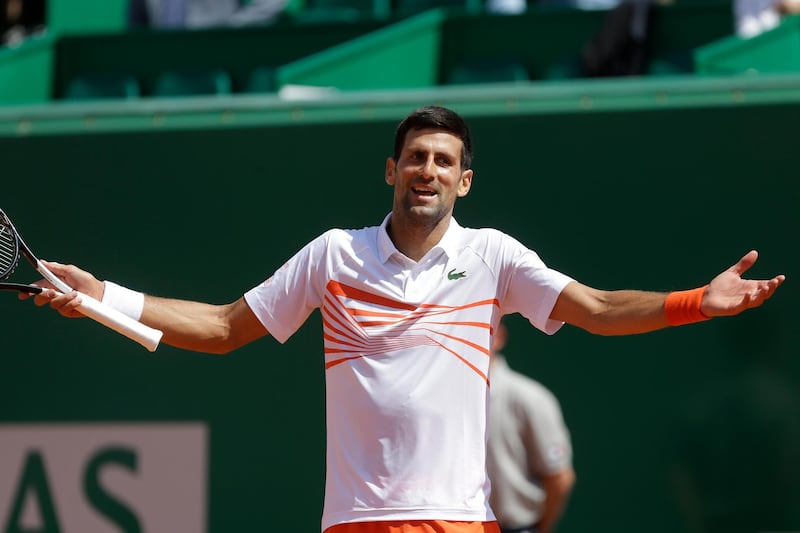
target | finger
x=773, y=284
x=44, y=297
x=24, y=295
x=744, y=263
x=67, y=305
x=764, y=291
x=56, y=268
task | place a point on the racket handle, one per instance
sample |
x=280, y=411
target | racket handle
x=119, y=322
x=106, y=315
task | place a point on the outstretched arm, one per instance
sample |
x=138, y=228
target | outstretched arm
x=628, y=312
x=186, y=324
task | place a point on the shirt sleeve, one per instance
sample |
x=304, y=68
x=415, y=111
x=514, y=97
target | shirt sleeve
x=533, y=287
x=285, y=300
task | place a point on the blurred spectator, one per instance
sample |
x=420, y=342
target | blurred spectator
x=529, y=457
x=194, y=14
x=621, y=46
x=757, y=16
x=516, y=7
x=506, y=7
x=20, y=18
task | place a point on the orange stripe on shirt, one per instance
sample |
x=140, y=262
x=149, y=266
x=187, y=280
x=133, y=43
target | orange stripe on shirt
x=354, y=340
x=463, y=360
x=459, y=339
x=339, y=289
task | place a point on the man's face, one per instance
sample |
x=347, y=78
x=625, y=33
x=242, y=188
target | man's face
x=428, y=178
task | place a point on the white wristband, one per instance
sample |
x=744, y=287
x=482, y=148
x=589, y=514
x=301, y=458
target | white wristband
x=124, y=300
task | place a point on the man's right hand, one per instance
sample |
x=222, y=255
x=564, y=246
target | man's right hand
x=78, y=279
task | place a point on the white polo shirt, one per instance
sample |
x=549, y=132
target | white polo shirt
x=406, y=361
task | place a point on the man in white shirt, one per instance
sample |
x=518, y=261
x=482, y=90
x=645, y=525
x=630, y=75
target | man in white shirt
x=409, y=308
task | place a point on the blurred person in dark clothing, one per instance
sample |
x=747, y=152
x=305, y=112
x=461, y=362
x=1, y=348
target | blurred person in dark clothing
x=20, y=18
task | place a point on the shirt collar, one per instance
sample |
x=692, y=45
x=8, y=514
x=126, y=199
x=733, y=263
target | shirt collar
x=449, y=242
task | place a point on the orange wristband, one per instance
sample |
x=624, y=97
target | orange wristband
x=683, y=307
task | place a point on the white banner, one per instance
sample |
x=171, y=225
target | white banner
x=104, y=477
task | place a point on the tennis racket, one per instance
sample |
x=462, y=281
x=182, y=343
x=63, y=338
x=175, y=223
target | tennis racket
x=12, y=245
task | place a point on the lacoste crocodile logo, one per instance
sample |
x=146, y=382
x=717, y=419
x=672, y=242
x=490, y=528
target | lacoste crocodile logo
x=456, y=275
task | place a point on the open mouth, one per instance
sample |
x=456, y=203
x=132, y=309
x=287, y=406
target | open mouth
x=423, y=192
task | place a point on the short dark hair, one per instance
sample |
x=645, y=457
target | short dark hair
x=440, y=118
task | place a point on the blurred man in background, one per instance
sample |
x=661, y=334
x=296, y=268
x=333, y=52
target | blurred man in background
x=529, y=459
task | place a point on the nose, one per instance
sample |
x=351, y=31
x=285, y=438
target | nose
x=428, y=170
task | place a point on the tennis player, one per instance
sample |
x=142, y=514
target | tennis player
x=409, y=307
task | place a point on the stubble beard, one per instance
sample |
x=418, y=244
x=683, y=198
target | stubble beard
x=422, y=216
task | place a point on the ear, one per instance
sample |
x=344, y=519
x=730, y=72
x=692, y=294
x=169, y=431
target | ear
x=465, y=184
x=391, y=165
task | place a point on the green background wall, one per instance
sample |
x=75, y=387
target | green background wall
x=690, y=429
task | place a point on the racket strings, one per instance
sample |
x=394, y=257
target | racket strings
x=8, y=251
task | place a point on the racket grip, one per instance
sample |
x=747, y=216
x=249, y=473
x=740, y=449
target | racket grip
x=119, y=322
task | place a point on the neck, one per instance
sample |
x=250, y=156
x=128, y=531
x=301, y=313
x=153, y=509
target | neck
x=415, y=238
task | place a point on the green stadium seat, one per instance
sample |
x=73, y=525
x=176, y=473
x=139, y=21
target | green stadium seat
x=566, y=68
x=488, y=71
x=671, y=64
x=102, y=86
x=193, y=83
x=261, y=80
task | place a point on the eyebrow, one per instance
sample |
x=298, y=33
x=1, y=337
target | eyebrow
x=437, y=153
